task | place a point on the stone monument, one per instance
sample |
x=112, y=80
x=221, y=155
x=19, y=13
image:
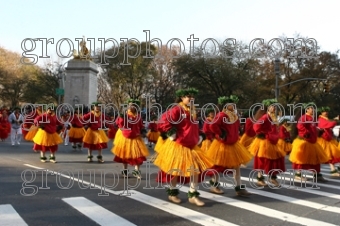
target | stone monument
x=81, y=78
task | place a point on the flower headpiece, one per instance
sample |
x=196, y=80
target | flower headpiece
x=186, y=92
x=269, y=102
x=231, y=99
x=324, y=109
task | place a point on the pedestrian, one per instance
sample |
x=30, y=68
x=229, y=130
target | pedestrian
x=226, y=151
x=5, y=126
x=77, y=131
x=209, y=135
x=179, y=157
x=47, y=138
x=249, y=133
x=16, y=119
x=95, y=138
x=306, y=153
x=268, y=158
x=326, y=140
x=129, y=147
x=153, y=133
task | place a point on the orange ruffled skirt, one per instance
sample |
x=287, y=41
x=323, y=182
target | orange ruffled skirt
x=284, y=146
x=304, y=152
x=44, y=141
x=228, y=156
x=76, y=135
x=31, y=133
x=129, y=151
x=206, y=145
x=153, y=136
x=95, y=139
x=175, y=159
x=246, y=140
x=331, y=149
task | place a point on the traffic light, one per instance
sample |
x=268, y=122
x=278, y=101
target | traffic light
x=326, y=87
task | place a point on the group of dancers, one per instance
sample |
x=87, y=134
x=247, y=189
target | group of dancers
x=186, y=154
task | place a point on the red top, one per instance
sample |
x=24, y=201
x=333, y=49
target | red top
x=327, y=125
x=266, y=128
x=231, y=129
x=94, y=120
x=249, y=130
x=131, y=125
x=206, y=129
x=48, y=122
x=284, y=134
x=152, y=126
x=187, y=132
x=75, y=122
x=307, y=128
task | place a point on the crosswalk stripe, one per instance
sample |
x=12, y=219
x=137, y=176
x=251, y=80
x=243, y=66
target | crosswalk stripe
x=290, y=199
x=171, y=208
x=95, y=212
x=177, y=210
x=10, y=217
x=316, y=183
x=259, y=209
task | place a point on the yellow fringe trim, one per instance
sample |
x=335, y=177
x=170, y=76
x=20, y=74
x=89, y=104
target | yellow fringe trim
x=95, y=137
x=126, y=148
x=284, y=146
x=330, y=148
x=264, y=149
x=228, y=155
x=31, y=133
x=175, y=159
x=77, y=132
x=304, y=152
x=206, y=145
x=46, y=139
x=246, y=140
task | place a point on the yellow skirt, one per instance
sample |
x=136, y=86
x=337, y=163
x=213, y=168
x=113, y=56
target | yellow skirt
x=176, y=160
x=264, y=149
x=31, y=133
x=330, y=148
x=76, y=132
x=46, y=139
x=159, y=144
x=95, y=137
x=206, y=145
x=227, y=155
x=246, y=140
x=126, y=148
x=153, y=136
x=285, y=146
x=304, y=152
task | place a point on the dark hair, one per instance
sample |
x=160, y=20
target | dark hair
x=260, y=112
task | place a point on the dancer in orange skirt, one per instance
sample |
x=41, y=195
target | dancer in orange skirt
x=95, y=138
x=249, y=134
x=129, y=147
x=209, y=134
x=306, y=153
x=29, y=125
x=226, y=150
x=77, y=131
x=327, y=142
x=5, y=126
x=267, y=154
x=284, y=142
x=180, y=151
x=153, y=133
x=47, y=138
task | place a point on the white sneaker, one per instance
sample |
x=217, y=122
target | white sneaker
x=18, y=143
x=12, y=144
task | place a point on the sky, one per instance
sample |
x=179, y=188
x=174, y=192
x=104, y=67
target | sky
x=218, y=19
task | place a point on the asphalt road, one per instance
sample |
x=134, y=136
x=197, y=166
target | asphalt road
x=75, y=192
